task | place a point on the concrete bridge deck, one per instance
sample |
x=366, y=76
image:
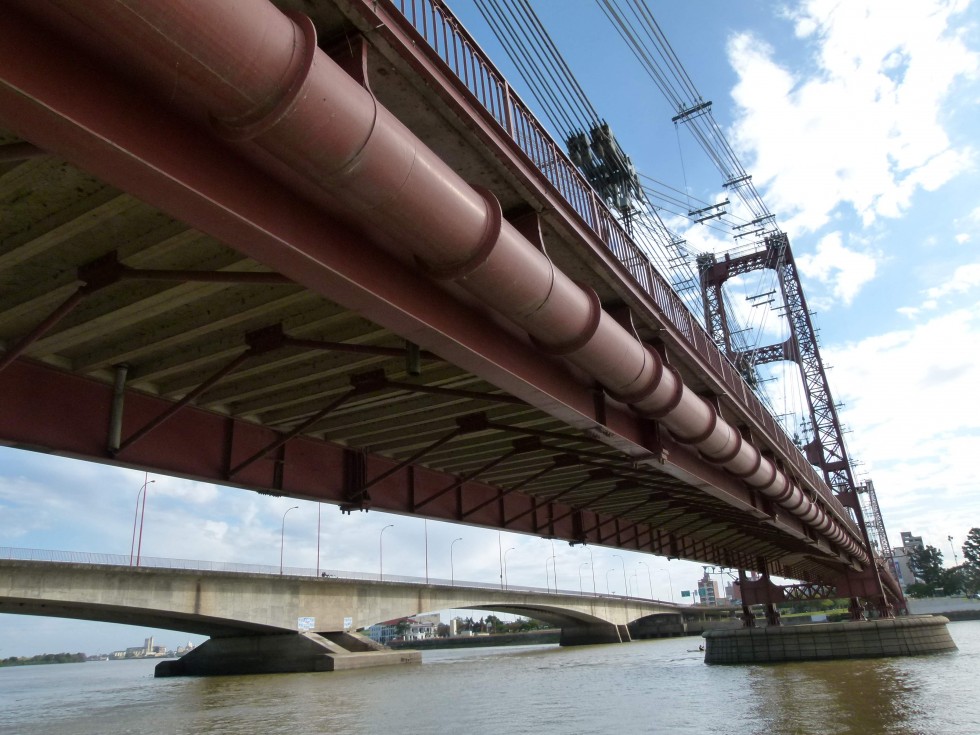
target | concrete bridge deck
x=278, y=622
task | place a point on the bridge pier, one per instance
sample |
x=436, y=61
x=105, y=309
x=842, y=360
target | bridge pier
x=905, y=636
x=282, y=654
x=588, y=634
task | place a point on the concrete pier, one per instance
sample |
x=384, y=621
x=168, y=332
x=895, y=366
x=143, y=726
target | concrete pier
x=285, y=653
x=590, y=634
x=908, y=636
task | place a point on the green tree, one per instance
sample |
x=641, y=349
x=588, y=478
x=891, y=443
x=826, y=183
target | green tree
x=927, y=565
x=971, y=562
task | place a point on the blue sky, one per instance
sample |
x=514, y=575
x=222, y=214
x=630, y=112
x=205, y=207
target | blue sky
x=858, y=122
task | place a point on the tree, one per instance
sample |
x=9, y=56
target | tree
x=927, y=565
x=971, y=562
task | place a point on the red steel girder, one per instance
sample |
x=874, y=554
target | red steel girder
x=84, y=113
x=109, y=143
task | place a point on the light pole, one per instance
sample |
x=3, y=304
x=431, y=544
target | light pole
x=452, y=567
x=500, y=557
x=625, y=583
x=609, y=591
x=670, y=582
x=592, y=567
x=547, y=574
x=554, y=565
x=282, y=536
x=132, y=545
x=583, y=564
x=381, y=552
x=649, y=578
x=953, y=549
x=505, y=565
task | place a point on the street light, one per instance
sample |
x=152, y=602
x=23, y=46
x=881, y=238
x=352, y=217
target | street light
x=282, y=536
x=132, y=545
x=592, y=566
x=381, y=553
x=625, y=583
x=554, y=565
x=505, y=565
x=583, y=564
x=608, y=591
x=670, y=582
x=649, y=578
x=953, y=549
x=452, y=567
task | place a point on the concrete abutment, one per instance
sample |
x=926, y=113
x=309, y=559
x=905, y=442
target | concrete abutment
x=907, y=636
x=282, y=654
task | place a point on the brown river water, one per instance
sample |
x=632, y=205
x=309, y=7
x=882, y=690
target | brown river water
x=642, y=687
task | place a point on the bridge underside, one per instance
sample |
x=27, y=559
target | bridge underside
x=167, y=305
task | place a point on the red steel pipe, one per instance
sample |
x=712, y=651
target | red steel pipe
x=256, y=77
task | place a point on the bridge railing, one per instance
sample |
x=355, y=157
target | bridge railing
x=122, y=560
x=441, y=32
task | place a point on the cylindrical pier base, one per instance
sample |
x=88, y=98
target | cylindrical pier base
x=908, y=636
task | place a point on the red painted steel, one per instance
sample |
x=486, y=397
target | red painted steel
x=441, y=51
x=238, y=64
x=198, y=444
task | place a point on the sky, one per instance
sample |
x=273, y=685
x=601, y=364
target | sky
x=858, y=122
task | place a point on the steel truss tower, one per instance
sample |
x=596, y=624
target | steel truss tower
x=826, y=449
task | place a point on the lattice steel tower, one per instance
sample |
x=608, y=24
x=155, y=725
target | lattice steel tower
x=826, y=449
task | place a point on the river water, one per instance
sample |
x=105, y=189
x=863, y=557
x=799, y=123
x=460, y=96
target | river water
x=643, y=687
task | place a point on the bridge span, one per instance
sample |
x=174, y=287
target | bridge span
x=320, y=249
x=271, y=622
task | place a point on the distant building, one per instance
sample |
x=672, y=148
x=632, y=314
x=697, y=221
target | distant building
x=911, y=542
x=708, y=591
x=901, y=567
x=901, y=555
x=409, y=629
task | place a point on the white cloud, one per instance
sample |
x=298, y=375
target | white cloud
x=844, y=270
x=863, y=127
x=907, y=397
x=964, y=279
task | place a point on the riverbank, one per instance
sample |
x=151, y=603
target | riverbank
x=44, y=659
x=531, y=638
x=954, y=608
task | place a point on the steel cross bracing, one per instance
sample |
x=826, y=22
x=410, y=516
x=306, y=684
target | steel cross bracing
x=826, y=450
x=872, y=513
